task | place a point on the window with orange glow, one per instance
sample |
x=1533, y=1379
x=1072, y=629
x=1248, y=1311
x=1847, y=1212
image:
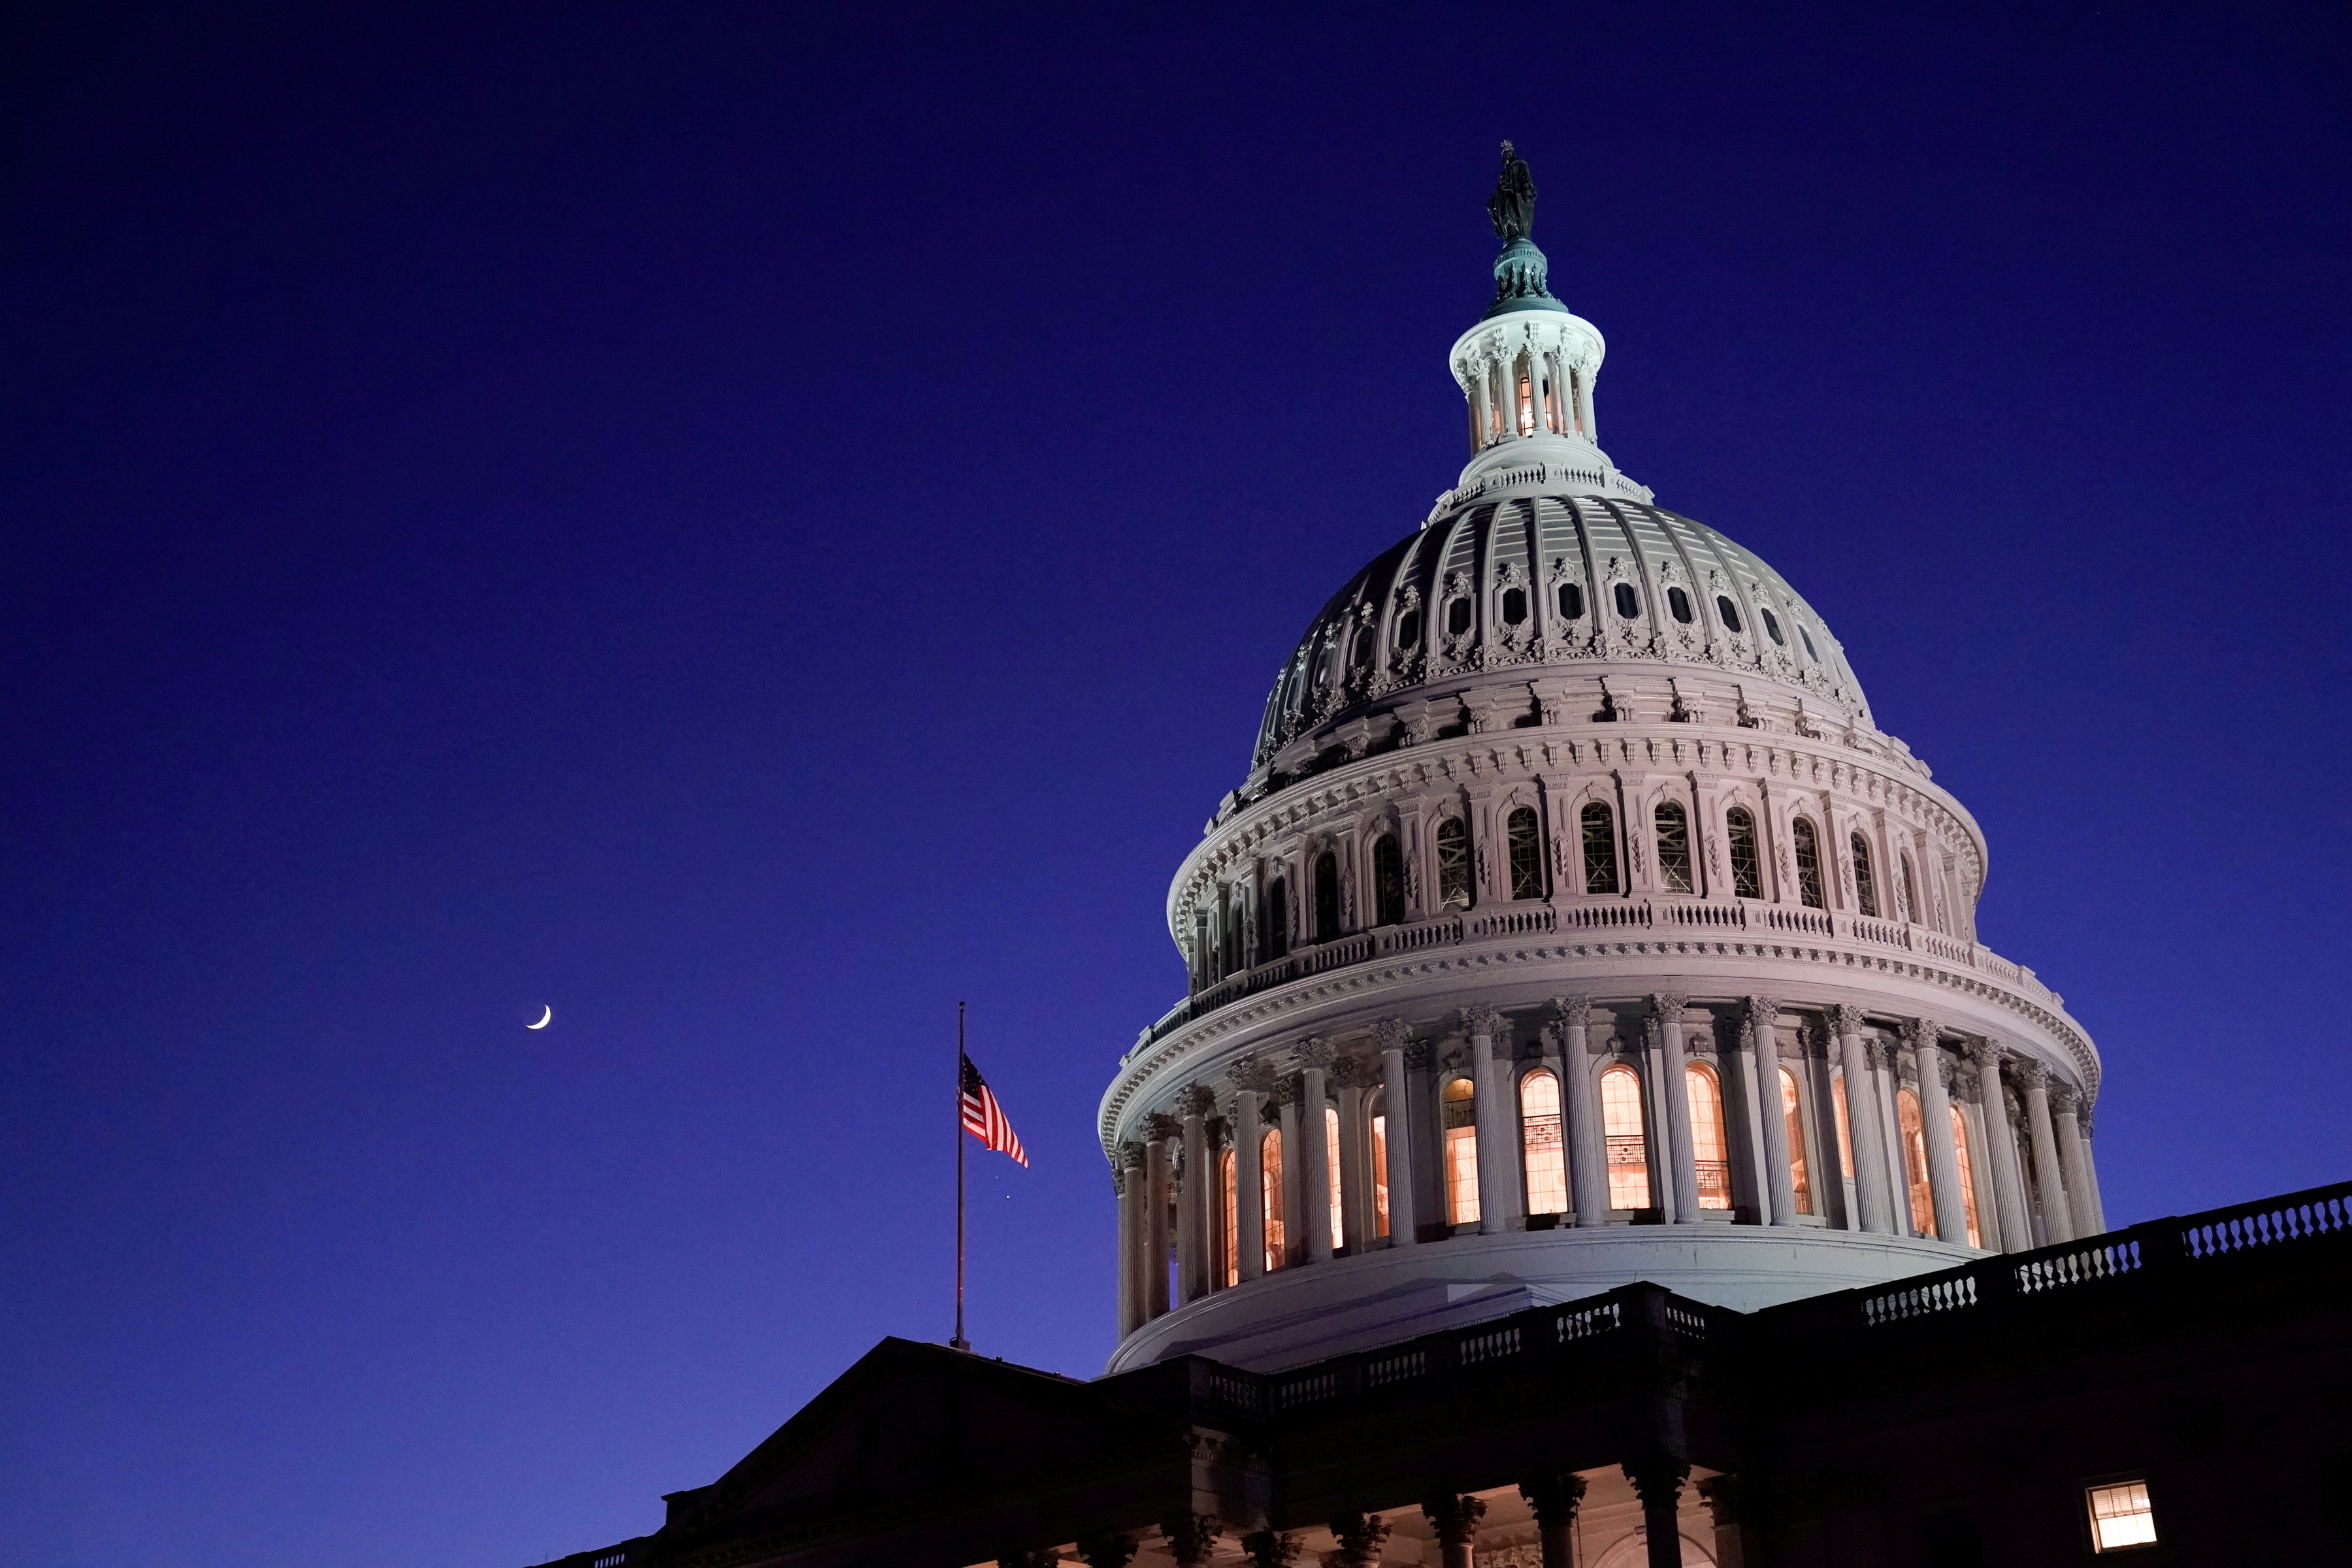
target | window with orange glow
x=1269, y=1156
x=1379, y=1126
x=1967, y=1174
x=1845, y=1133
x=1331, y=1175
x=1540, y=1145
x=1710, y=1150
x=1229, y=1241
x=2121, y=1516
x=1800, y=1168
x=1629, y=1145
x=1915, y=1163
x=1461, y=1118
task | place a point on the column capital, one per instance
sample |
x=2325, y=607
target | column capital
x=1252, y=1075
x=1455, y=1518
x=1421, y=1055
x=1196, y=1100
x=1573, y=1011
x=1130, y=1155
x=1478, y=1021
x=1920, y=1032
x=1814, y=1038
x=1721, y=1495
x=1109, y=1550
x=1393, y=1034
x=1160, y=1124
x=1987, y=1054
x=1314, y=1051
x=2063, y=1098
x=1267, y=1549
x=1659, y=1481
x=2029, y=1072
x=1190, y=1537
x=1881, y=1054
x=1359, y=1536
x=1761, y=1012
x=1284, y=1093
x=1354, y=1072
x=1668, y=1004
x=1554, y=1497
x=1846, y=1018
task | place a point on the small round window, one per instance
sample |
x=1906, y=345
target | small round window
x=1571, y=601
x=1773, y=627
x=1629, y=603
x=1729, y=611
x=1515, y=605
x=1457, y=616
x=1679, y=603
x=1409, y=628
x=1808, y=638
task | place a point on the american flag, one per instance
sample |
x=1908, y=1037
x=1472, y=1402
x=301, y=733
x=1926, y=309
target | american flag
x=985, y=1118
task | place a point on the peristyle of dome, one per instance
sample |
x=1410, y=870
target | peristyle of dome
x=1574, y=924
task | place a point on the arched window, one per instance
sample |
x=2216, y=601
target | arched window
x=1229, y=915
x=1629, y=1145
x=1629, y=603
x=1457, y=616
x=1747, y=860
x=1376, y=1103
x=1678, y=604
x=1331, y=1178
x=1801, y=1171
x=1515, y=605
x=1461, y=1119
x=1674, y=848
x=1600, y=849
x=1915, y=1163
x=1269, y=1158
x=1967, y=1174
x=1327, y=897
x=1229, y=1244
x=1866, y=887
x=1809, y=864
x=1710, y=1148
x=1388, y=880
x=1844, y=1128
x=1571, y=601
x=1729, y=612
x=1539, y=1143
x=1454, y=861
x=1274, y=935
x=1773, y=627
x=1525, y=843
x=1910, y=892
x=1408, y=632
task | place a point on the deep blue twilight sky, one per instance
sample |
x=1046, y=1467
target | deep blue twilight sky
x=748, y=524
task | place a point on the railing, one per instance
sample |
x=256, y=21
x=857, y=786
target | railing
x=1612, y=915
x=2320, y=1213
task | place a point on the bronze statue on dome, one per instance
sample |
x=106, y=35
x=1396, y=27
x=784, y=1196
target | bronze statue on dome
x=1513, y=205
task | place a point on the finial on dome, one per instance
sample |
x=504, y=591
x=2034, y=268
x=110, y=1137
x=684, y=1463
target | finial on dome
x=1520, y=272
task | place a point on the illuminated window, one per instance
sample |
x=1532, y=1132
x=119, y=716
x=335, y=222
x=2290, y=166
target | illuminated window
x=1327, y=897
x=1673, y=849
x=1274, y=935
x=1269, y=1156
x=1600, y=849
x=1866, y=887
x=1746, y=862
x=1809, y=864
x=1540, y=1145
x=1515, y=605
x=1967, y=1174
x=2120, y=1516
x=1800, y=1171
x=1229, y=1247
x=1729, y=611
x=1915, y=1161
x=1629, y=1146
x=1629, y=603
x=1331, y=1175
x=1709, y=1148
x=1678, y=604
x=1525, y=840
x=1845, y=1133
x=1526, y=397
x=1461, y=1119
x=1571, y=601
x=1452, y=861
x=1379, y=1123
x=1388, y=880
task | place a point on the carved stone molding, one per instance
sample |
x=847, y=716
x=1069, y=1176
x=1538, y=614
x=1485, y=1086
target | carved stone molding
x=1196, y=1100
x=1761, y=1010
x=1847, y=1019
x=1879, y=1052
x=1393, y=1034
x=1573, y=1010
x=2029, y=1072
x=1284, y=1093
x=1421, y=1055
x=1355, y=1072
x=1478, y=1020
x=1314, y=1051
x=1130, y=1155
x=1986, y=1055
x=1918, y=1032
x=2063, y=1099
x=1160, y=1124
x=1254, y=1074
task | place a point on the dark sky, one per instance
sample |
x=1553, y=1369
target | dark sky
x=748, y=524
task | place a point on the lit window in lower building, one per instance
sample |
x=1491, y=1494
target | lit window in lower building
x=2120, y=1516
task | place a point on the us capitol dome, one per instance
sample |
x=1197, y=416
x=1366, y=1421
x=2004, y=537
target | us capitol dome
x=1575, y=923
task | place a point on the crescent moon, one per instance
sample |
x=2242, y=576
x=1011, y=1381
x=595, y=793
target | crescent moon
x=545, y=1019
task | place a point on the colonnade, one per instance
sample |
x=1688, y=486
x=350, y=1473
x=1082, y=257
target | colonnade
x=1195, y=1192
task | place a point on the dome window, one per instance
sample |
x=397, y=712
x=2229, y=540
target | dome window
x=1515, y=605
x=1457, y=616
x=1865, y=886
x=1747, y=865
x=1274, y=932
x=1629, y=603
x=1327, y=897
x=1622, y=1127
x=1525, y=838
x=1808, y=639
x=1388, y=882
x=1408, y=629
x=1600, y=849
x=1454, y=861
x=1673, y=849
x=1809, y=864
x=1773, y=627
x=1730, y=612
x=1679, y=603
x=1460, y=1118
x=1571, y=601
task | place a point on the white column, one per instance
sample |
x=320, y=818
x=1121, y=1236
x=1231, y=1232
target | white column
x=2090, y=1171
x=1834, y=1196
x=1127, y=1172
x=1864, y=1123
x=1249, y=1178
x=1193, y=1190
x=1490, y=1087
x=1780, y=1181
x=1936, y=1132
x=1587, y=1153
x=2082, y=1203
x=2057, y=1220
x=1162, y=1131
x=1349, y=1075
x=1396, y=1104
x=1666, y=1024
x=1294, y=1235
x=2000, y=1149
x=1314, y=1148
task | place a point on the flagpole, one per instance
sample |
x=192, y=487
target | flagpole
x=959, y=1343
